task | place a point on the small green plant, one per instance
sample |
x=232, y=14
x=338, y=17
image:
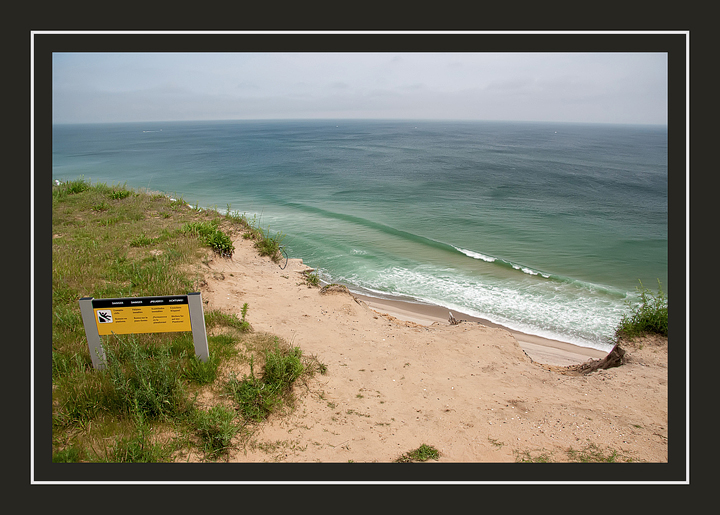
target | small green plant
x=495, y=442
x=138, y=447
x=268, y=245
x=211, y=236
x=216, y=429
x=218, y=318
x=423, y=453
x=141, y=240
x=594, y=454
x=119, y=194
x=650, y=315
x=76, y=186
x=528, y=457
x=334, y=288
x=254, y=402
x=312, y=278
x=282, y=368
x=202, y=372
x=257, y=397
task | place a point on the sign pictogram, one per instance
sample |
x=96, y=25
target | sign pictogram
x=104, y=316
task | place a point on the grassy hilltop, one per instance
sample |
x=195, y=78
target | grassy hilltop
x=110, y=241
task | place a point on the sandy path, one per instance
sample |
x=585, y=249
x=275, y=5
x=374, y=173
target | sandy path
x=476, y=393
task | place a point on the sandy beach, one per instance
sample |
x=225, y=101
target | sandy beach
x=543, y=350
x=400, y=375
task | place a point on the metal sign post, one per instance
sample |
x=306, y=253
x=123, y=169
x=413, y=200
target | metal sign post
x=175, y=313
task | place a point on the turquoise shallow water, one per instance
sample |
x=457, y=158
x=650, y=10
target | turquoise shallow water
x=542, y=227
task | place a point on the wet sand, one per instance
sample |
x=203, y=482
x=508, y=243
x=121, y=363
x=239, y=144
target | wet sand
x=543, y=350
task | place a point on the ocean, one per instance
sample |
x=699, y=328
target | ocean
x=545, y=228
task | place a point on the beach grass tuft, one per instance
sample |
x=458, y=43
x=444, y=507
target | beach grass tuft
x=216, y=428
x=649, y=316
x=423, y=453
x=211, y=235
x=267, y=243
x=257, y=397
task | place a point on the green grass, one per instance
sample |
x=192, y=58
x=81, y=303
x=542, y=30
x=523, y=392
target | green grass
x=211, y=235
x=591, y=453
x=215, y=318
x=594, y=454
x=312, y=278
x=532, y=457
x=266, y=243
x=649, y=316
x=257, y=396
x=136, y=447
x=109, y=241
x=68, y=455
x=423, y=453
x=216, y=429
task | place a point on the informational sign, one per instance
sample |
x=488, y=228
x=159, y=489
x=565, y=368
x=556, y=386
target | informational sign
x=142, y=315
x=174, y=313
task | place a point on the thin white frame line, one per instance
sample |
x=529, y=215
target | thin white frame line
x=32, y=258
x=336, y=32
x=32, y=254
x=687, y=256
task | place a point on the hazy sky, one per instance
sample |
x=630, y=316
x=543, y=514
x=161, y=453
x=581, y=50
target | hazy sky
x=562, y=87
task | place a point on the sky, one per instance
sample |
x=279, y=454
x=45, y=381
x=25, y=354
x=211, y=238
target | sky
x=622, y=88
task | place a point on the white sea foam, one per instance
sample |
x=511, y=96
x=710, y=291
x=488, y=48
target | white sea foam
x=542, y=310
x=475, y=255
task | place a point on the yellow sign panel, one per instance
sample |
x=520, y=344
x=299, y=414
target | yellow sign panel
x=156, y=315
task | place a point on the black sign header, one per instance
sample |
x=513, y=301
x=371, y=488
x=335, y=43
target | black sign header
x=139, y=301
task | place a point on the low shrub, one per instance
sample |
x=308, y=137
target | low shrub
x=216, y=428
x=650, y=315
x=257, y=397
x=119, y=194
x=423, y=453
x=268, y=245
x=211, y=236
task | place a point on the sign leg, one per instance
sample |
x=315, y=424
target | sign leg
x=197, y=322
x=97, y=353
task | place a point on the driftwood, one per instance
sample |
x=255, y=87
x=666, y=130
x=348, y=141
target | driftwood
x=453, y=320
x=615, y=358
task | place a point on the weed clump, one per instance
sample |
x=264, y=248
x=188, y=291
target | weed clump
x=423, y=453
x=257, y=397
x=265, y=243
x=268, y=245
x=312, y=278
x=138, y=447
x=211, y=236
x=650, y=315
x=216, y=428
x=215, y=318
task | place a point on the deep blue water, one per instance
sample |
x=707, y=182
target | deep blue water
x=542, y=227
